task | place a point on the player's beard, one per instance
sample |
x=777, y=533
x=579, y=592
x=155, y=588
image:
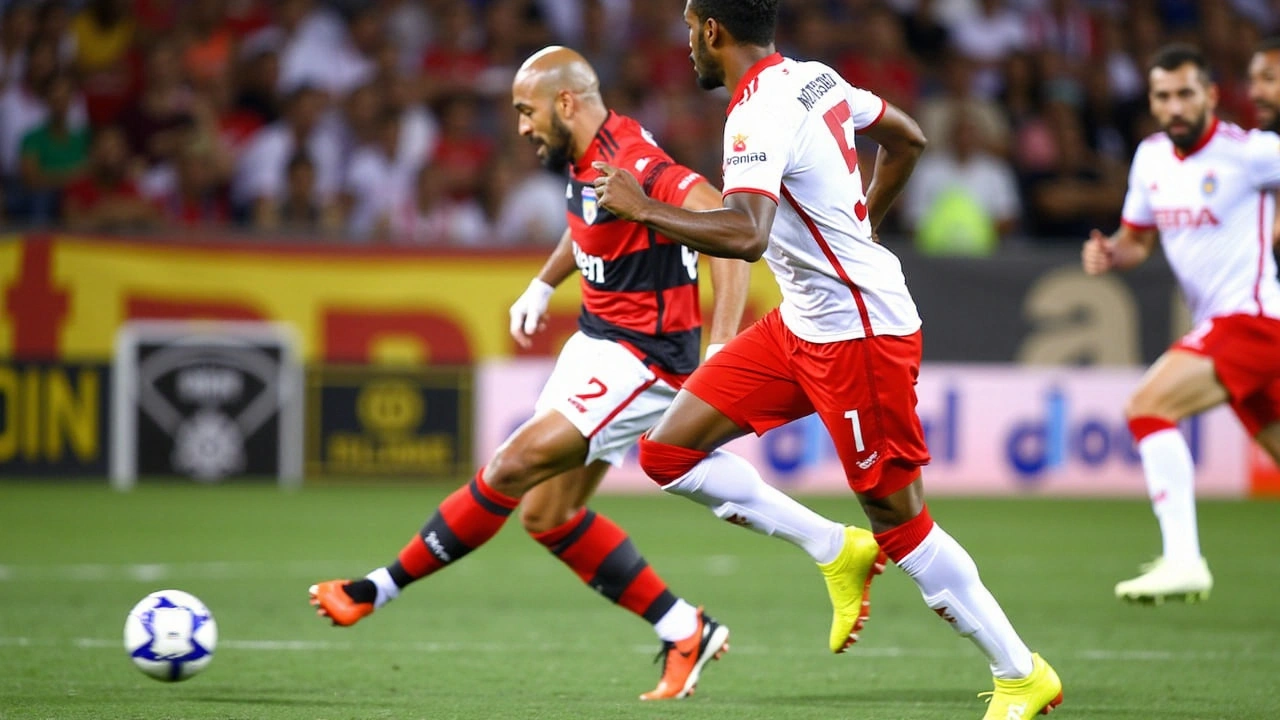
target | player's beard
x=710, y=72
x=1271, y=122
x=1184, y=141
x=557, y=145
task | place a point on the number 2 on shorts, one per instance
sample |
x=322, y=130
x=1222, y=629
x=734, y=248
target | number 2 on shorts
x=601, y=389
x=857, y=430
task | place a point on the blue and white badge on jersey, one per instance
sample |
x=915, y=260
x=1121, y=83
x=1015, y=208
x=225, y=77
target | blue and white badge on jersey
x=588, y=204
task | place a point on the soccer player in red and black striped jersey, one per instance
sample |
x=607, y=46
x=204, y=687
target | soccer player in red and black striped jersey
x=639, y=338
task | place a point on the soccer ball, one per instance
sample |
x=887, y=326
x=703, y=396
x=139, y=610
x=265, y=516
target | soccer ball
x=170, y=635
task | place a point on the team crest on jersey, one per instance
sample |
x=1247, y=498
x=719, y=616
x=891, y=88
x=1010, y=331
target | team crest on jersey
x=588, y=204
x=739, y=142
x=1209, y=185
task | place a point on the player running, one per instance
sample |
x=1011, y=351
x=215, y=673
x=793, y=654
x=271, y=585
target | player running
x=639, y=338
x=1202, y=187
x=846, y=340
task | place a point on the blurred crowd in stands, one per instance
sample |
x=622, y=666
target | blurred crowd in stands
x=389, y=121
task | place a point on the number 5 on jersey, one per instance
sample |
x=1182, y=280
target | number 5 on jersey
x=836, y=118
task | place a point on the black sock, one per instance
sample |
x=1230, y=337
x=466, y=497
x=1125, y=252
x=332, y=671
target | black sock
x=362, y=590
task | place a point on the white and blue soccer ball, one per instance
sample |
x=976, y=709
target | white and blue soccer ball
x=170, y=635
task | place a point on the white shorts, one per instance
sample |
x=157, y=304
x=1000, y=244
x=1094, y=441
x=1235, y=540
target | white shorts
x=607, y=393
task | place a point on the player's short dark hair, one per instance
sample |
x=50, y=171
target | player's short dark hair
x=751, y=22
x=1175, y=55
x=1270, y=44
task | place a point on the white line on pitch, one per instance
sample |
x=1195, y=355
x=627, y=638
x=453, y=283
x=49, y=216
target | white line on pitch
x=153, y=572
x=505, y=647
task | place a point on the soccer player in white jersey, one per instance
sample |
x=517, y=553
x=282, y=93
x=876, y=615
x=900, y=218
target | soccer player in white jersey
x=846, y=340
x=1203, y=188
x=1264, y=83
x=1264, y=91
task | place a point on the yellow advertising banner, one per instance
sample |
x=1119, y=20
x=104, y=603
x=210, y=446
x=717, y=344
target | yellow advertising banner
x=65, y=297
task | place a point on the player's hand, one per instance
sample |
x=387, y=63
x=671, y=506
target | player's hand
x=1098, y=256
x=529, y=313
x=618, y=191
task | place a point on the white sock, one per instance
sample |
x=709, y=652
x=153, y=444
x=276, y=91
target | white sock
x=734, y=491
x=677, y=623
x=948, y=580
x=387, y=588
x=1170, y=472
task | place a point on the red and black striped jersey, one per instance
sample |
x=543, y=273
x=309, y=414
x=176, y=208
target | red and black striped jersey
x=639, y=287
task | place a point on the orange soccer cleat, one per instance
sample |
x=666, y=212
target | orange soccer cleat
x=682, y=661
x=333, y=602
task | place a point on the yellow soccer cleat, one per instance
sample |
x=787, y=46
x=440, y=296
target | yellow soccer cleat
x=1038, y=693
x=849, y=585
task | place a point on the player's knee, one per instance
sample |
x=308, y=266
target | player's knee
x=1146, y=404
x=663, y=463
x=537, y=519
x=516, y=468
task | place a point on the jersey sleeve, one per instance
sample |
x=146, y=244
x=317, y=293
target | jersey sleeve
x=756, y=148
x=867, y=107
x=1137, y=212
x=664, y=179
x=1263, y=153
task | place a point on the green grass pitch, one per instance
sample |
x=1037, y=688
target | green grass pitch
x=510, y=633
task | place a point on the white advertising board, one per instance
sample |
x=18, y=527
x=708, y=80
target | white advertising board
x=992, y=430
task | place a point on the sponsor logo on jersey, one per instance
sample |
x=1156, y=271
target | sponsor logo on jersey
x=641, y=164
x=739, y=142
x=1209, y=184
x=751, y=157
x=688, y=180
x=588, y=204
x=591, y=266
x=815, y=89
x=1185, y=218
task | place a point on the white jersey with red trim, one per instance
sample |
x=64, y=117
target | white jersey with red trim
x=1214, y=209
x=789, y=136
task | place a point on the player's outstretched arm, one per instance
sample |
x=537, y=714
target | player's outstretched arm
x=739, y=230
x=1129, y=247
x=528, y=313
x=901, y=143
x=730, y=279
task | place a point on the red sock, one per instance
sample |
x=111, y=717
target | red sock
x=604, y=558
x=464, y=521
x=1145, y=425
x=898, y=542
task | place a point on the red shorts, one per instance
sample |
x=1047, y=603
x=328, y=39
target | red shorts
x=1245, y=350
x=863, y=390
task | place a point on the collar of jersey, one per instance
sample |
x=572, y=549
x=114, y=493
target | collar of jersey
x=604, y=140
x=1204, y=140
x=764, y=62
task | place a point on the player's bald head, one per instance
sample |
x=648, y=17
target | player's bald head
x=557, y=69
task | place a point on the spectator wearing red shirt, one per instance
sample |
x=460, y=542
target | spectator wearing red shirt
x=105, y=198
x=881, y=62
x=464, y=150
x=197, y=201
x=456, y=60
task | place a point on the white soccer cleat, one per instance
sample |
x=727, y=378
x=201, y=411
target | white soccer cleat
x=1163, y=580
